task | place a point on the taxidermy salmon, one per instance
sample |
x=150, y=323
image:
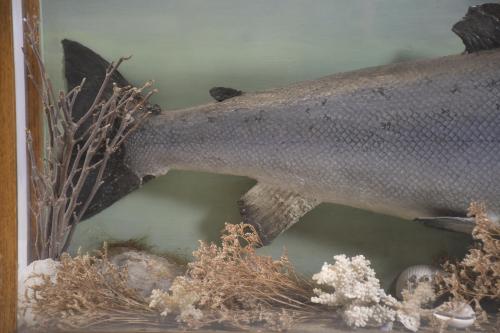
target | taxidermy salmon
x=418, y=140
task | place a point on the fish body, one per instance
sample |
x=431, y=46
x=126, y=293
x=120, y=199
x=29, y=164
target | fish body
x=410, y=139
x=414, y=139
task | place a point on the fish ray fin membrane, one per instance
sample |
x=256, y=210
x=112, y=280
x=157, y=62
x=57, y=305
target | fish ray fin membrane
x=457, y=224
x=480, y=28
x=81, y=62
x=272, y=210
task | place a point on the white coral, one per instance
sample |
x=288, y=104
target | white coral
x=356, y=292
x=352, y=279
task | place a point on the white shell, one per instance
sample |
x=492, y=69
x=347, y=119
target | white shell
x=28, y=278
x=408, y=278
x=457, y=315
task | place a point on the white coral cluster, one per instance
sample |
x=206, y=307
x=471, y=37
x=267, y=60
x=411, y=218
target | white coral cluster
x=353, y=280
x=355, y=291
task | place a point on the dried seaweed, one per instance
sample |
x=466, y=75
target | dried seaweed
x=232, y=285
x=476, y=278
x=89, y=292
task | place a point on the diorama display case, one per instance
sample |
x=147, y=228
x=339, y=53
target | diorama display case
x=294, y=201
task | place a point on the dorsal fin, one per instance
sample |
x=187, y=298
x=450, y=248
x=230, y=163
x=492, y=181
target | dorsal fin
x=222, y=93
x=480, y=28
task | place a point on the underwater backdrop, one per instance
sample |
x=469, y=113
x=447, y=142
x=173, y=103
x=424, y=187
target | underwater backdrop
x=189, y=46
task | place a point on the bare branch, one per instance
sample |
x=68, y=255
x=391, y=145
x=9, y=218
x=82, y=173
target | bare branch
x=78, y=150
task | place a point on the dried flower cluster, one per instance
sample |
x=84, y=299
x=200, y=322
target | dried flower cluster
x=412, y=309
x=477, y=276
x=232, y=285
x=227, y=285
x=88, y=292
x=355, y=291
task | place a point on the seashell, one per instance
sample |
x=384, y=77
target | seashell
x=411, y=276
x=456, y=314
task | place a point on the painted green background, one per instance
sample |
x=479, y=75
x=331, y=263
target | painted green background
x=189, y=46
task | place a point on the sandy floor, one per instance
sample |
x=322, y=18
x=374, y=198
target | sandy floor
x=307, y=328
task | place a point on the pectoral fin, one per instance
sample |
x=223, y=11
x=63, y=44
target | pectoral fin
x=480, y=28
x=272, y=210
x=458, y=224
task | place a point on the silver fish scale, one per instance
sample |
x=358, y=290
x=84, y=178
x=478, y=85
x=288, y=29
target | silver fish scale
x=410, y=139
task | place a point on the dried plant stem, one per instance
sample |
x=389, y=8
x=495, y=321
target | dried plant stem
x=476, y=278
x=76, y=148
x=232, y=285
x=90, y=292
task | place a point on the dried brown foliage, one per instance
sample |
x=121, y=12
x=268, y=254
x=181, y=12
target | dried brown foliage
x=78, y=150
x=232, y=285
x=476, y=277
x=89, y=292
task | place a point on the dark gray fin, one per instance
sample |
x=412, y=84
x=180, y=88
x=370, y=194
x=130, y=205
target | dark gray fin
x=118, y=180
x=272, y=210
x=458, y=224
x=81, y=62
x=480, y=28
x=221, y=93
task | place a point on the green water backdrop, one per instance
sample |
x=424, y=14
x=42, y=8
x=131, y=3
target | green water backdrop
x=189, y=46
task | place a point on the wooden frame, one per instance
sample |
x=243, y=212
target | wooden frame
x=8, y=159
x=8, y=174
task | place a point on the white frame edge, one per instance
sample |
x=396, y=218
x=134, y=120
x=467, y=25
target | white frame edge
x=22, y=160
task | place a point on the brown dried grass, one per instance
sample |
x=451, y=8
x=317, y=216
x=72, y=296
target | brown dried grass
x=236, y=287
x=232, y=284
x=89, y=292
x=476, y=278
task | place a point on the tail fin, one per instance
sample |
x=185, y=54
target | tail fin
x=81, y=62
x=118, y=180
x=480, y=28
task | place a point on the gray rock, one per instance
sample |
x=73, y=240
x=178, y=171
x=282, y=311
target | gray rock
x=146, y=271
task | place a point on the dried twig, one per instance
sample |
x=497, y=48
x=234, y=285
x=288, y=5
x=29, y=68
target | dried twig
x=76, y=148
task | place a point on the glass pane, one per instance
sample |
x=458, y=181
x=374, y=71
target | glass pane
x=188, y=47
